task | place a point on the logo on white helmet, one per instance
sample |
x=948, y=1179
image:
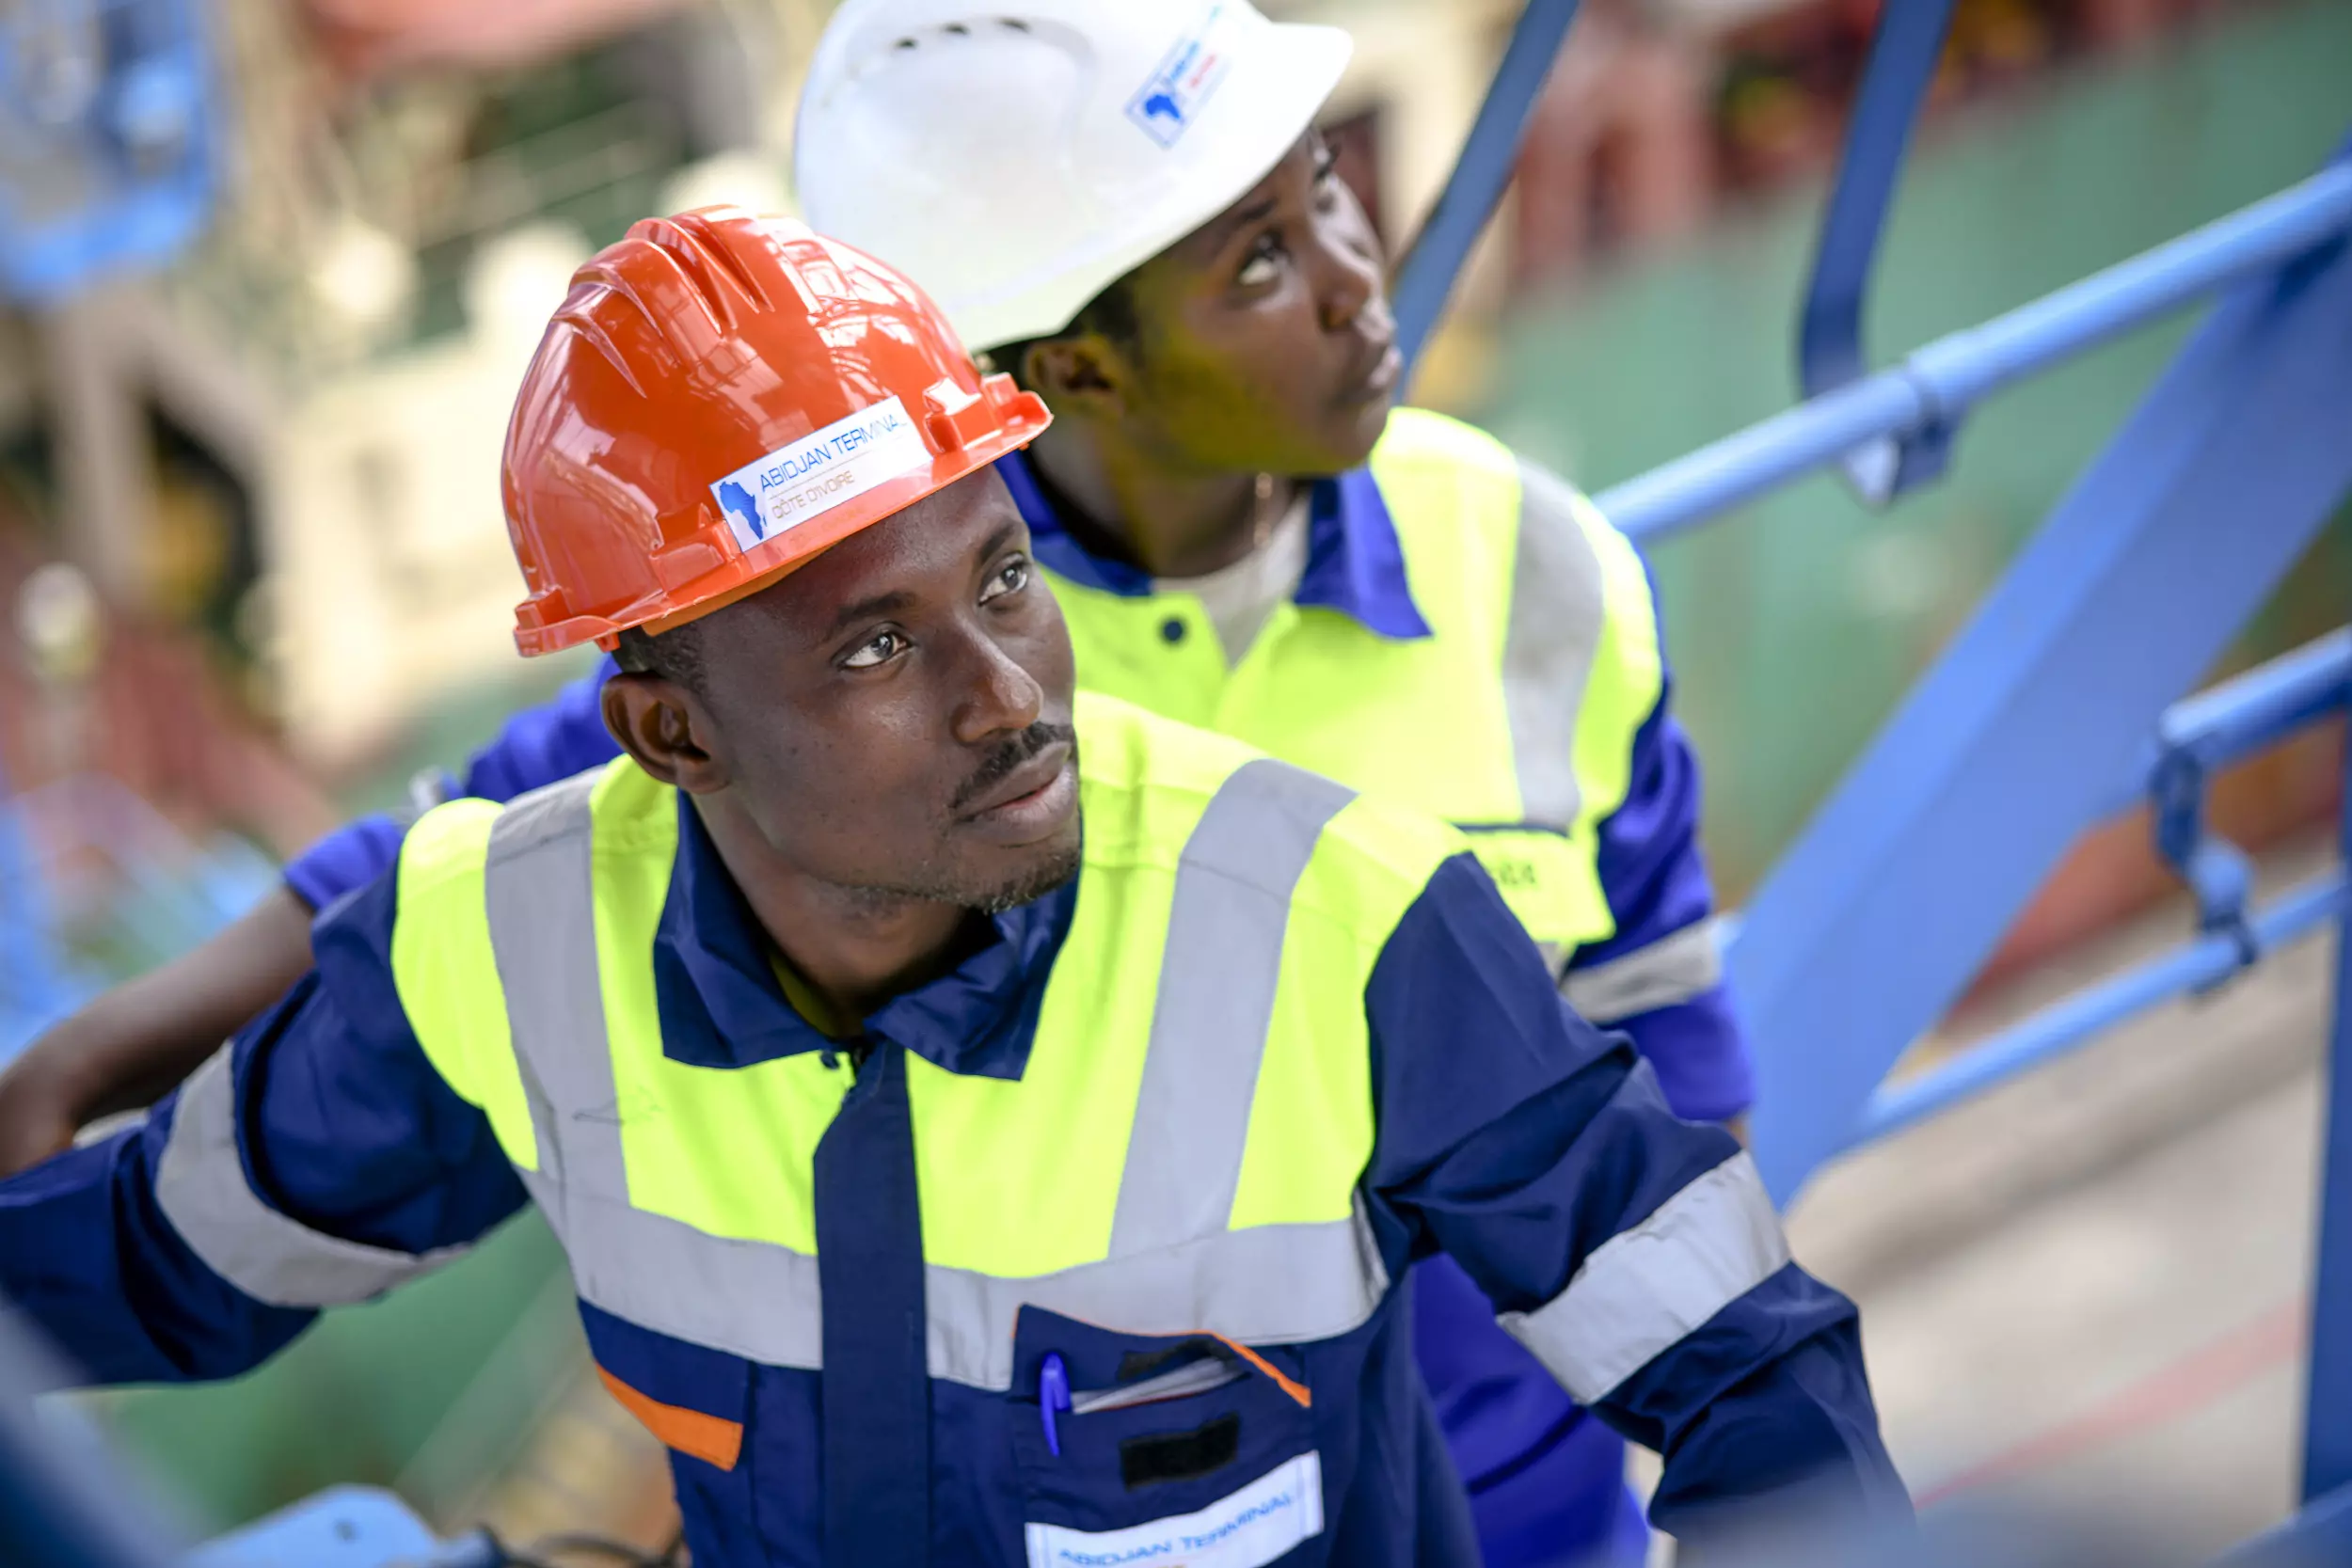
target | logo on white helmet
x=1171, y=99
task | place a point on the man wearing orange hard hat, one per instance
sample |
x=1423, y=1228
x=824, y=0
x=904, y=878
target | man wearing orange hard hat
x=943, y=1183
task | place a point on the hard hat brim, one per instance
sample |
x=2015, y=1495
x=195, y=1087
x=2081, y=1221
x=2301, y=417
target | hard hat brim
x=760, y=569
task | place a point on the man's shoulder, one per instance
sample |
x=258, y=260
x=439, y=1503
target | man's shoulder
x=1149, y=779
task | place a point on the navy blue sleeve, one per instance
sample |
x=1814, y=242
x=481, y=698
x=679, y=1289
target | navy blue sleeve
x=1521, y=1140
x=342, y=1126
x=1653, y=876
x=537, y=746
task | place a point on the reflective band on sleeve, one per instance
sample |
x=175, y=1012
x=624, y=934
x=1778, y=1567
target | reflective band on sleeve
x=1644, y=1290
x=1556, y=619
x=1672, y=970
x=1217, y=978
x=202, y=1188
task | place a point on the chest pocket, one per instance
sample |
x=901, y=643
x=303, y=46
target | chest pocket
x=1161, y=1448
x=1550, y=884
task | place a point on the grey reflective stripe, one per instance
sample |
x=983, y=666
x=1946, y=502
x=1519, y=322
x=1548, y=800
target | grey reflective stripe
x=1216, y=1001
x=1266, y=1284
x=1556, y=615
x=202, y=1188
x=539, y=886
x=1644, y=1290
x=754, y=1299
x=1674, y=968
x=1273, y=1284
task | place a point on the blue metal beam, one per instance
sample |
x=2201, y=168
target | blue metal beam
x=2321, y=1534
x=1897, y=891
x=1938, y=382
x=2327, y=1411
x=1425, y=278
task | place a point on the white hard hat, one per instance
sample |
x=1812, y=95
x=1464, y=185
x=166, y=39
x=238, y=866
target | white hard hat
x=1016, y=157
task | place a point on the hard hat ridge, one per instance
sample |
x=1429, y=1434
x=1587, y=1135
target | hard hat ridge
x=719, y=397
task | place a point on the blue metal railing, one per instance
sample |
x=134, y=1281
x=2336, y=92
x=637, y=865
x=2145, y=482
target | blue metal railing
x=2217, y=727
x=1935, y=384
x=2262, y=385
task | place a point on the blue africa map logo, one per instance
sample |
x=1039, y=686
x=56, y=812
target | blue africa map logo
x=738, y=501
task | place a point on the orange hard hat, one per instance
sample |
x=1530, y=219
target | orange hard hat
x=721, y=397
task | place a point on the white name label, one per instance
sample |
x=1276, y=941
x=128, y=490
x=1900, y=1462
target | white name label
x=1252, y=1528
x=820, y=471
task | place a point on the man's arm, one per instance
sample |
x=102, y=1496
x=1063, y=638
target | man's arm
x=318, y=1159
x=130, y=1046
x=1636, y=1255
x=136, y=1041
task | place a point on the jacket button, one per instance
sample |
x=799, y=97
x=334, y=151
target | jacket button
x=1172, y=629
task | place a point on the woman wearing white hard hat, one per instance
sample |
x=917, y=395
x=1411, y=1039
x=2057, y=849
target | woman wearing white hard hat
x=1125, y=206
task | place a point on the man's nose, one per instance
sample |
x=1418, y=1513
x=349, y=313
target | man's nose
x=1000, y=696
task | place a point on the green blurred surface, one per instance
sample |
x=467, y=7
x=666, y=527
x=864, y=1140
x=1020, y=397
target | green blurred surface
x=359, y=1396
x=1795, y=625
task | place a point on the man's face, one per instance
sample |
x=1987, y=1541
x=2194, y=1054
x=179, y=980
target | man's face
x=1264, y=338
x=895, y=716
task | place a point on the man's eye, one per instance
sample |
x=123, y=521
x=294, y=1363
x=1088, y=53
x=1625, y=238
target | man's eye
x=877, y=649
x=1264, y=260
x=1012, y=577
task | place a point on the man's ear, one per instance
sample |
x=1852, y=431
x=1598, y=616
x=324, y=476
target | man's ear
x=666, y=729
x=1084, y=372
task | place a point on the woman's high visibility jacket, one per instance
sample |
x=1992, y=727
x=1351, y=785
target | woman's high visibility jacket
x=1175, y=1134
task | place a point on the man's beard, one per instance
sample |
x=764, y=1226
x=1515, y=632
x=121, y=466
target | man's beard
x=942, y=885
x=946, y=884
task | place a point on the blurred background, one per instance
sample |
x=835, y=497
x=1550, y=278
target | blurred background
x=253, y=559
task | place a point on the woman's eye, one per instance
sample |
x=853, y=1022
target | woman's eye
x=875, y=650
x=1264, y=262
x=1012, y=577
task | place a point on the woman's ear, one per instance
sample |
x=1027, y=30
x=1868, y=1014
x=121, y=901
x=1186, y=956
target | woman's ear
x=663, y=726
x=1084, y=372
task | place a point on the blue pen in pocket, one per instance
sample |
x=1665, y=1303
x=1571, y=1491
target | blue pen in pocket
x=1052, y=1394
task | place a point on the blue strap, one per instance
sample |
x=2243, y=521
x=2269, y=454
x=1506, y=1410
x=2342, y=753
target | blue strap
x=876, y=1384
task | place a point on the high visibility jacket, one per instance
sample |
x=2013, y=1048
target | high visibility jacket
x=1179, y=1155
x=1176, y=1133
x=1514, y=716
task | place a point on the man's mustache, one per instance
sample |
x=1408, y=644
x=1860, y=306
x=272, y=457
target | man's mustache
x=1011, y=753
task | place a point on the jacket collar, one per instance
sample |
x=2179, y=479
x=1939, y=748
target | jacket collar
x=1354, y=562
x=722, y=1005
